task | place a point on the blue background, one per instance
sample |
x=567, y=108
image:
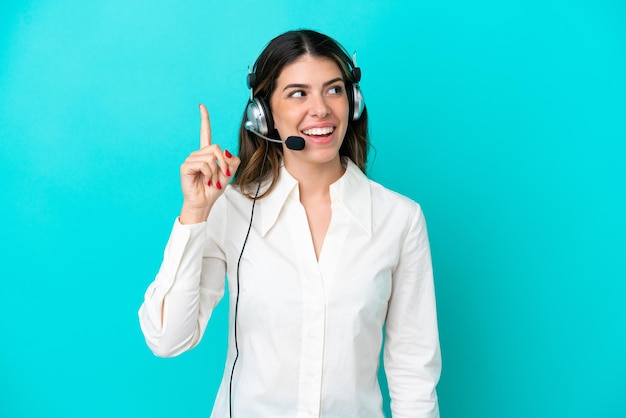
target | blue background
x=505, y=120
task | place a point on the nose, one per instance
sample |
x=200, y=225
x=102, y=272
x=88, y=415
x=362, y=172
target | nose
x=318, y=106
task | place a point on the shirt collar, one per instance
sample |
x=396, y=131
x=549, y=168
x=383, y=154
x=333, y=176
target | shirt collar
x=352, y=192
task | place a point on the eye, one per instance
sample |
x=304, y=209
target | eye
x=335, y=90
x=297, y=93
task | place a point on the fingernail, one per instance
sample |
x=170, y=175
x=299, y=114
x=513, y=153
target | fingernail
x=218, y=185
x=227, y=173
x=228, y=155
x=209, y=183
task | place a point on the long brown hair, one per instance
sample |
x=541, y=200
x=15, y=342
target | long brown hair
x=279, y=52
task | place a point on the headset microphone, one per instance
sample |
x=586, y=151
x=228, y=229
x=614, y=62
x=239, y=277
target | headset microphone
x=295, y=143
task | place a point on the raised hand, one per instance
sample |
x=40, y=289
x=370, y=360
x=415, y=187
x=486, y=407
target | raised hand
x=204, y=174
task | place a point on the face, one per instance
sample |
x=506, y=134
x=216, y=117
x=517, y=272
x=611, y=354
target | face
x=310, y=101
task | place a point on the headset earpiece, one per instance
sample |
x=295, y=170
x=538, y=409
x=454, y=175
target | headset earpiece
x=355, y=102
x=260, y=117
x=258, y=114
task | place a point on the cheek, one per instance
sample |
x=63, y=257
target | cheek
x=283, y=116
x=282, y=123
x=342, y=109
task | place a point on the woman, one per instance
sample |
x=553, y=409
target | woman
x=320, y=259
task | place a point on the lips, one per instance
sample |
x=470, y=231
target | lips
x=327, y=130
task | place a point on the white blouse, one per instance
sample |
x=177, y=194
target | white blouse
x=309, y=332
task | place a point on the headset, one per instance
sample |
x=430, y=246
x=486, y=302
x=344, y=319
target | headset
x=259, y=116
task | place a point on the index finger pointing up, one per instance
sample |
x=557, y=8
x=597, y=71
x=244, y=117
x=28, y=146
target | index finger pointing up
x=205, y=127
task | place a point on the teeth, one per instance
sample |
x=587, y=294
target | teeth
x=319, y=131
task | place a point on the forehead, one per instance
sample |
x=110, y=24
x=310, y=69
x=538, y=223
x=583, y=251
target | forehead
x=308, y=69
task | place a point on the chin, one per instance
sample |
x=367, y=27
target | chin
x=323, y=156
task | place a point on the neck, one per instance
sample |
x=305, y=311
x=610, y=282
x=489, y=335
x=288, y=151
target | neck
x=315, y=179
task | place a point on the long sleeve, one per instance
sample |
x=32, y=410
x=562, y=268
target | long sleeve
x=412, y=354
x=179, y=302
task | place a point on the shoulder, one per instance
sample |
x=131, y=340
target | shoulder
x=398, y=216
x=230, y=202
x=392, y=202
x=230, y=213
x=371, y=200
x=234, y=195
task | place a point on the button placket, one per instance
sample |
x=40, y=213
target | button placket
x=313, y=318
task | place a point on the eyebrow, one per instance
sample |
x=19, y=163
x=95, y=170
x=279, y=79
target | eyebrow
x=301, y=86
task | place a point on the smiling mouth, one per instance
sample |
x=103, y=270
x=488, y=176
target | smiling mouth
x=319, y=132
